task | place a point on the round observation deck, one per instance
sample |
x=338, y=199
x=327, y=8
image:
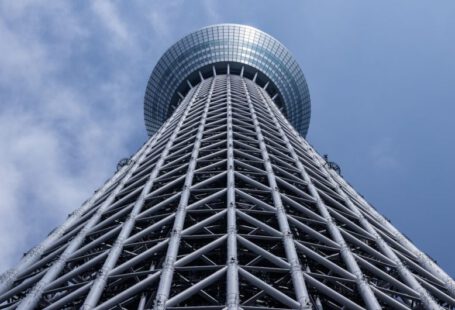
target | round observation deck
x=242, y=50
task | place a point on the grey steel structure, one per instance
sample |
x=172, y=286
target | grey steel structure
x=226, y=206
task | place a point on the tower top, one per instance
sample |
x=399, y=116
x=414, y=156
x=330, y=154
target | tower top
x=215, y=49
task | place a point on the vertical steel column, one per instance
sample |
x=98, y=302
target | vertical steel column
x=143, y=300
x=116, y=249
x=288, y=242
x=174, y=241
x=8, y=278
x=232, y=285
x=364, y=288
x=31, y=300
x=405, y=274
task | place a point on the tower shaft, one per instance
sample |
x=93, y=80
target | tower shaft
x=227, y=206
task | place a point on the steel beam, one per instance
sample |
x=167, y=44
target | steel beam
x=100, y=282
x=232, y=277
x=363, y=286
x=291, y=253
x=174, y=241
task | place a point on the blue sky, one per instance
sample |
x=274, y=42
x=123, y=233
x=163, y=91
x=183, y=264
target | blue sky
x=381, y=77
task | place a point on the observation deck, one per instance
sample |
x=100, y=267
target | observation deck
x=249, y=52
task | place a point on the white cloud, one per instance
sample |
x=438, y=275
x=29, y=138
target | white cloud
x=161, y=16
x=56, y=133
x=71, y=91
x=11, y=223
x=109, y=17
x=21, y=57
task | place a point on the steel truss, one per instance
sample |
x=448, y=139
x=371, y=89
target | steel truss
x=226, y=207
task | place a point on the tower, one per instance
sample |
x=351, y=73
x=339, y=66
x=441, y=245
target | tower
x=226, y=206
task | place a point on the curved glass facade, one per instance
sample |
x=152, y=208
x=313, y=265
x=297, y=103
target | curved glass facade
x=226, y=43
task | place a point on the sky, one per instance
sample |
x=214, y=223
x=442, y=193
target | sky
x=381, y=76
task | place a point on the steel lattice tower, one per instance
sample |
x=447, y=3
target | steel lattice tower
x=226, y=206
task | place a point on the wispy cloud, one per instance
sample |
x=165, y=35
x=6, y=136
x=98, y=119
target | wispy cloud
x=62, y=126
x=212, y=11
x=383, y=157
x=162, y=24
x=109, y=18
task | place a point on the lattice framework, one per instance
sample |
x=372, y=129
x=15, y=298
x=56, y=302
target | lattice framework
x=227, y=207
